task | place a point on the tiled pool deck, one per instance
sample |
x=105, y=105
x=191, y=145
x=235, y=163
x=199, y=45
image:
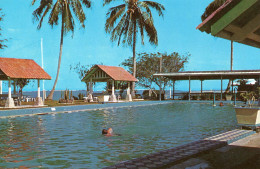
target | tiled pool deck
x=169, y=157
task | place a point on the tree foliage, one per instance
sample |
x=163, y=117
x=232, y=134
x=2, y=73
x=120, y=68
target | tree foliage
x=80, y=70
x=130, y=17
x=2, y=45
x=212, y=7
x=66, y=10
x=149, y=64
x=21, y=83
x=126, y=20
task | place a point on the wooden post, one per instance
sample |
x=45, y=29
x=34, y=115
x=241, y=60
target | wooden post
x=201, y=89
x=160, y=93
x=9, y=101
x=90, y=97
x=173, y=89
x=39, y=89
x=189, y=88
x=9, y=89
x=232, y=86
x=113, y=87
x=1, y=89
x=221, y=94
x=128, y=95
x=113, y=96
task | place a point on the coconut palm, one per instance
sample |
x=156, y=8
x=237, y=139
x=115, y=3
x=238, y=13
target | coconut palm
x=126, y=20
x=64, y=11
x=2, y=45
x=212, y=7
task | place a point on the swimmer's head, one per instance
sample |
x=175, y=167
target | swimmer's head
x=104, y=131
x=109, y=131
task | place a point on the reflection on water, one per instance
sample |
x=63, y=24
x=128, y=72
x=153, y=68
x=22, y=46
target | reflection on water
x=74, y=140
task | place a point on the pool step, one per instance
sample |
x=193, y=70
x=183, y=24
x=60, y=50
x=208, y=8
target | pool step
x=174, y=155
x=232, y=136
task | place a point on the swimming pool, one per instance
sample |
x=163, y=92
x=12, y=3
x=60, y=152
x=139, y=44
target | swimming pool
x=74, y=140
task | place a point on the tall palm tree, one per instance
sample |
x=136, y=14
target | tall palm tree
x=126, y=20
x=64, y=10
x=2, y=45
x=212, y=7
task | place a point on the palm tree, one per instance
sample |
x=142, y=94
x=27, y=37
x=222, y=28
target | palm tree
x=126, y=20
x=212, y=7
x=2, y=45
x=65, y=10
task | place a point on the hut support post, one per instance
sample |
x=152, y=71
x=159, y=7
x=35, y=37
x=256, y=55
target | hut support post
x=221, y=92
x=9, y=102
x=113, y=96
x=1, y=89
x=39, y=89
x=189, y=88
x=128, y=96
x=38, y=100
x=90, y=97
x=173, y=89
x=232, y=86
x=201, y=89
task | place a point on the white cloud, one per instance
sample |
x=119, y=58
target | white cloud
x=12, y=30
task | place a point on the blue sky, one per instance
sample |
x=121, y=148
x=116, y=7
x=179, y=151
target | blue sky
x=176, y=31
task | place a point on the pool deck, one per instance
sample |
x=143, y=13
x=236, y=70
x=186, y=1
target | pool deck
x=232, y=149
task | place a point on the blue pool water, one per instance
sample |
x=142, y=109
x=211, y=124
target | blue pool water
x=74, y=140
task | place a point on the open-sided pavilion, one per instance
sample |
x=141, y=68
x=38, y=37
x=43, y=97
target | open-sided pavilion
x=237, y=20
x=12, y=69
x=102, y=73
x=211, y=75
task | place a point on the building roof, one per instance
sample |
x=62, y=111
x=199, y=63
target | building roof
x=21, y=69
x=212, y=75
x=237, y=20
x=101, y=73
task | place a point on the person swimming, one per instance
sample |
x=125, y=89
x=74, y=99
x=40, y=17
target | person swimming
x=221, y=104
x=109, y=132
x=104, y=131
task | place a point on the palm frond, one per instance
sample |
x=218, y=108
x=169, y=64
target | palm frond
x=68, y=19
x=157, y=6
x=106, y=2
x=145, y=6
x=33, y=2
x=44, y=14
x=140, y=23
x=117, y=30
x=213, y=6
x=150, y=29
x=38, y=12
x=113, y=16
x=78, y=11
x=87, y=3
x=54, y=15
x=130, y=32
x=124, y=30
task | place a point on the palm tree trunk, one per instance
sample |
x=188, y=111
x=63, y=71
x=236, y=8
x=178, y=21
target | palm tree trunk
x=50, y=96
x=231, y=67
x=134, y=61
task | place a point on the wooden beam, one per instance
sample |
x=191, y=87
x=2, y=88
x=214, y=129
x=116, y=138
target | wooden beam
x=254, y=37
x=231, y=15
x=249, y=28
